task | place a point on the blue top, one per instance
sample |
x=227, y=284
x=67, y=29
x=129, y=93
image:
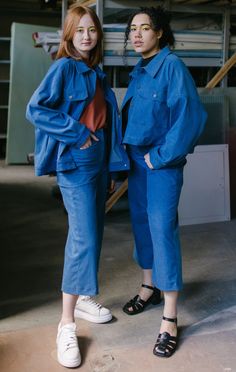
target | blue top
x=165, y=111
x=55, y=109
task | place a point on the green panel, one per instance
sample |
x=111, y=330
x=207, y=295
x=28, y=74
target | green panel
x=217, y=125
x=230, y=92
x=28, y=66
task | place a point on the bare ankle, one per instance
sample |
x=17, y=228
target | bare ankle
x=65, y=321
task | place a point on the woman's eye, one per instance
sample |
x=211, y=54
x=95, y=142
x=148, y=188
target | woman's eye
x=133, y=29
x=92, y=29
x=145, y=28
x=80, y=30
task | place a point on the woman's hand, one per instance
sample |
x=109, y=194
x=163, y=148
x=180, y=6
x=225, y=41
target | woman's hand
x=147, y=161
x=88, y=142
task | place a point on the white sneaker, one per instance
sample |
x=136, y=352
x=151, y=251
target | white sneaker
x=87, y=308
x=68, y=353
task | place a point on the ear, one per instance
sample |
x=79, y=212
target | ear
x=159, y=34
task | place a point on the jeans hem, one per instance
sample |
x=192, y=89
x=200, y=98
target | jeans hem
x=78, y=292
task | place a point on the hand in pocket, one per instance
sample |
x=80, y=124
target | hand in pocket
x=88, y=142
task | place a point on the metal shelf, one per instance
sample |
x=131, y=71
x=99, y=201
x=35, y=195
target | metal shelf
x=2, y=38
x=87, y=2
x=191, y=62
x=174, y=6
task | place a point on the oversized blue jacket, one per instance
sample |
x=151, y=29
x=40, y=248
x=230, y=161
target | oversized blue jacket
x=55, y=109
x=165, y=111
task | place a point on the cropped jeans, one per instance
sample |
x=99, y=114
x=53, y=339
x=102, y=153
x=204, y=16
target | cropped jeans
x=84, y=194
x=153, y=200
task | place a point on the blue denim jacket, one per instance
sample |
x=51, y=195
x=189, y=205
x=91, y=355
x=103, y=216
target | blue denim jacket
x=55, y=109
x=165, y=111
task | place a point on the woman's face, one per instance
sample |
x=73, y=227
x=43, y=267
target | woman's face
x=143, y=38
x=85, y=37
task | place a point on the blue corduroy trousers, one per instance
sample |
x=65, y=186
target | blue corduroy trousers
x=153, y=200
x=84, y=194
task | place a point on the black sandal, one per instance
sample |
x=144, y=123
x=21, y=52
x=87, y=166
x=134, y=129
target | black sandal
x=138, y=305
x=166, y=344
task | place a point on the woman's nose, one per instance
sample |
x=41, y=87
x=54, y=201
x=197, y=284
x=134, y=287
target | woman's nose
x=138, y=33
x=86, y=34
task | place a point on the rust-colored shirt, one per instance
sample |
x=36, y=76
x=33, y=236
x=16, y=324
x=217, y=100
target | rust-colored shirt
x=94, y=115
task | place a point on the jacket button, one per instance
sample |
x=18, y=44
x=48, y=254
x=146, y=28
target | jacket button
x=154, y=95
x=70, y=97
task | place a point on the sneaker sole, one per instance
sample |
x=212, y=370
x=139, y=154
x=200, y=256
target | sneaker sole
x=67, y=364
x=92, y=318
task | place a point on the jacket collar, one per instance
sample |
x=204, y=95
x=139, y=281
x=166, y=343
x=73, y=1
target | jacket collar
x=82, y=68
x=99, y=72
x=155, y=64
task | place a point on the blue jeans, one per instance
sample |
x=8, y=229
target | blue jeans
x=84, y=194
x=153, y=199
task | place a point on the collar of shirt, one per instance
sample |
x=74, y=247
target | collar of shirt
x=154, y=65
x=145, y=61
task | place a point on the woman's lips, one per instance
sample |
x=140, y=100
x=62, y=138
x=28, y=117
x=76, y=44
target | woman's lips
x=138, y=43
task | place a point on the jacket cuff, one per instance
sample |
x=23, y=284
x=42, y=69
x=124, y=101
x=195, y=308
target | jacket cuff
x=153, y=154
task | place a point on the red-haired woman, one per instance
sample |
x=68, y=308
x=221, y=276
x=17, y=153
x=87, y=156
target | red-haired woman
x=76, y=121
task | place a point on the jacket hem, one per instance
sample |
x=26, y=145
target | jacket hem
x=62, y=167
x=119, y=167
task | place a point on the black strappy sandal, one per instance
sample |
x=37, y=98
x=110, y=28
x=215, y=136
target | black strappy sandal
x=166, y=344
x=138, y=305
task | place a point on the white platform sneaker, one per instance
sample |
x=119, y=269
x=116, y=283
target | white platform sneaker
x=87, y=308
x=68, y=353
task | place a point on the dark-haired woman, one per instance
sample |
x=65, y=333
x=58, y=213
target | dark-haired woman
x=75, y=114
x=162, y=121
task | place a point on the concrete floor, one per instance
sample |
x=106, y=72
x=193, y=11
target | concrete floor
x=32, y=236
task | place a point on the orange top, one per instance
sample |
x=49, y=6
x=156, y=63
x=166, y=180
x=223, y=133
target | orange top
x=94, y=115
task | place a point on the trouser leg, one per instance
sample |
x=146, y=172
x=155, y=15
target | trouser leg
x=81, y=251
x=163, y=192
x=100, y=205
x=137, y=191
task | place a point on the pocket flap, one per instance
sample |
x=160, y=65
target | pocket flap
x=75, y=95
x=153, y=94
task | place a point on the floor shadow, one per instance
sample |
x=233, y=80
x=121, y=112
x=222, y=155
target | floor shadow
x=84, y=345
x=33, y=234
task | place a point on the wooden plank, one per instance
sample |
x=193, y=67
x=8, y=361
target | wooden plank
x=222, y=72
x=116, y=195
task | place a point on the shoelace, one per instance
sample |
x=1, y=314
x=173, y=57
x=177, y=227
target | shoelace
x=69, y=339
x=92, y=302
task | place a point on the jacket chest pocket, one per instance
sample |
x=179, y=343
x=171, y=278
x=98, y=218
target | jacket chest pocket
x=153, y=94
x=149, y=116
x=75, y=95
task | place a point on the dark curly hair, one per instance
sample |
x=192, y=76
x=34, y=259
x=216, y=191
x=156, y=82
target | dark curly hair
x=160, y=20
